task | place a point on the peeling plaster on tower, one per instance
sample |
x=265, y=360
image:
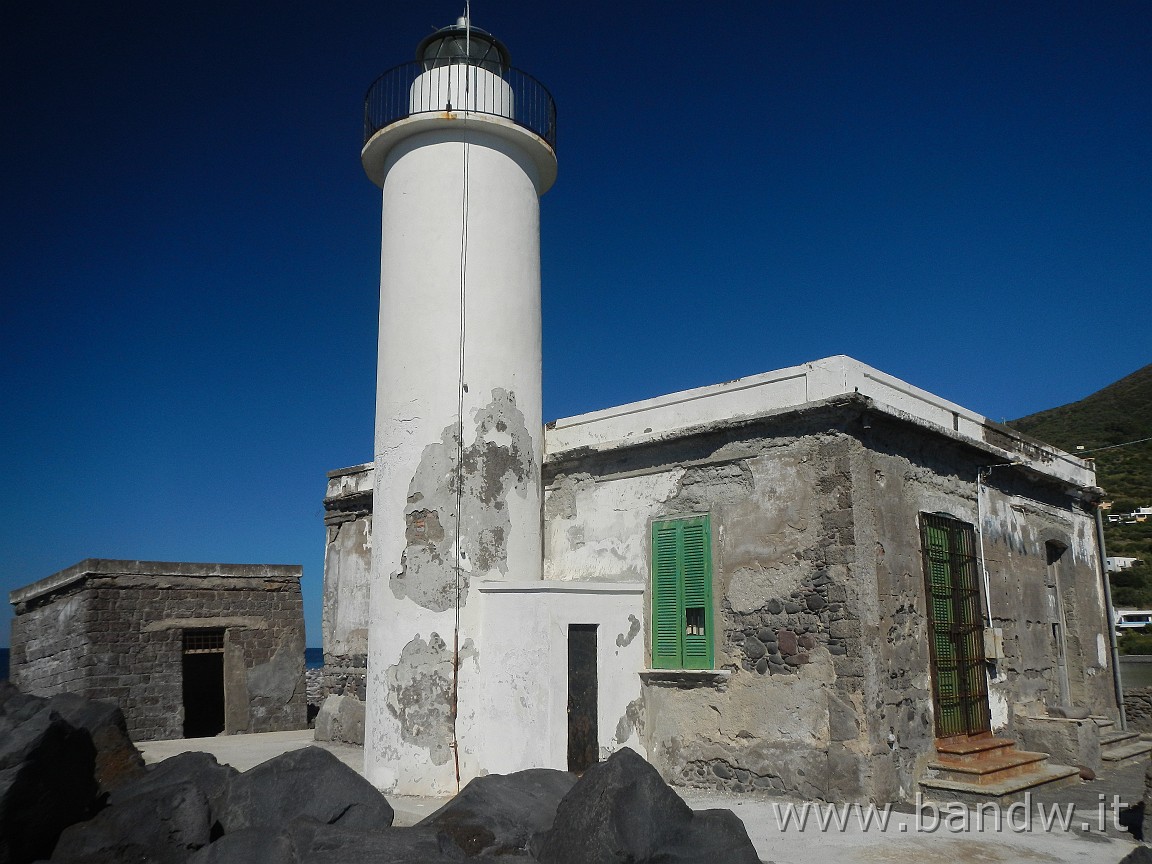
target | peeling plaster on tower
x=461, y=156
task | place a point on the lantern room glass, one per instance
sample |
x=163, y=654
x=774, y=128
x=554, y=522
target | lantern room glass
x=453, y=45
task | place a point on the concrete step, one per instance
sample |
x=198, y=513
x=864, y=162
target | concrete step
x=974, y=748
x=991, y=768
x=1109, y=738
x=1126, y=751
x=1005, y=791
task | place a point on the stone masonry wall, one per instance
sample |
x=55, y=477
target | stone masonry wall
x=1138, y=708
x=50, y=647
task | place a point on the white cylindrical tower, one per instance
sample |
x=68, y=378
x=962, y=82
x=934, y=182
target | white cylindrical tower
x=462, y=147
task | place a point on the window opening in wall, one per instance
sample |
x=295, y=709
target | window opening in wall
x=1053, y=553
x=956, y=630
x=694, y=622
x=204, y=641
x=203, y=682
x=682, y=634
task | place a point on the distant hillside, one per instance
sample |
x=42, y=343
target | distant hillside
x=1119, y=413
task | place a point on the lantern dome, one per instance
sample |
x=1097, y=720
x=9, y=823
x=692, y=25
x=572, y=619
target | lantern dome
x=460, y=43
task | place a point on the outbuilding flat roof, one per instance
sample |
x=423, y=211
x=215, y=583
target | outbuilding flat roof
x=114, y=567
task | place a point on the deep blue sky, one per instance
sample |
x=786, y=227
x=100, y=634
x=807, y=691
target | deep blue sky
x=955, y=192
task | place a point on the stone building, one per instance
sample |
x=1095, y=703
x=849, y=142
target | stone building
x=812, y=581
x=185, y=650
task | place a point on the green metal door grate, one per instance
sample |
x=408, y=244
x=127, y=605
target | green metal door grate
x=952, y=578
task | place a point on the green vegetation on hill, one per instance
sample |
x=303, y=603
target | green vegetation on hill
x=1118, y=414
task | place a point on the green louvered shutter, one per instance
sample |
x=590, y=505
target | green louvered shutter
x=666, y=627
x=695, y=578
x=682, y=594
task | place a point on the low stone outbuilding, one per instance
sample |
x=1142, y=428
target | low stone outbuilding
x=185, y=650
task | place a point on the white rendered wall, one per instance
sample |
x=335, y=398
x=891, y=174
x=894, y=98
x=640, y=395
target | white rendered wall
x=524, y=706
x=409, y=732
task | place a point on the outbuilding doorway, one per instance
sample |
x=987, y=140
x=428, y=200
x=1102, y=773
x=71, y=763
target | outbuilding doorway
x=955, y=626
x=203, y=682
x=583, y=735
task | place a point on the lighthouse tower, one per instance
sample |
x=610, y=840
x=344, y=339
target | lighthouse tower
x=462, y=145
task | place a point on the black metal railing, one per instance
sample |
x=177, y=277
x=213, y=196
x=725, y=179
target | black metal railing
x=414, y=88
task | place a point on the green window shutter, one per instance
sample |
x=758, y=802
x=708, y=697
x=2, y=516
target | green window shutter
x=666, y=629
x=696, y=579
x=682, y=633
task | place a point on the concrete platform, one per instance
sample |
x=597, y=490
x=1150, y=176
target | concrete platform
x=772, y=822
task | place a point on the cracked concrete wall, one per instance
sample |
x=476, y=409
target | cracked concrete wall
x=458, y=442
x=347, y=565
x=491, y=478
x=482, y=476
x=790, y=718
x=347, y=580
x=909, y=472
x=819, y=593
x=594, y=532
x=526, y=626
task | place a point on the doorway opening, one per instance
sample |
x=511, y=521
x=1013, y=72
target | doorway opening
x=955, y=626
x=203, y=682
x=583, y=735
x=1053, y=553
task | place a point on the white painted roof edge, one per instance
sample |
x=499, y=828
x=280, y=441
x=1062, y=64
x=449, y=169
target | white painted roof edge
x=793, y=387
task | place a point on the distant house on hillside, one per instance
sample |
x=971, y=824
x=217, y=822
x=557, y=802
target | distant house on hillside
x=820, y=581
x=1116, y=563
x=1140, y=514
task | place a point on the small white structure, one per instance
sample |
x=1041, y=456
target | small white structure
x=1131, y=618
x=1116, y=563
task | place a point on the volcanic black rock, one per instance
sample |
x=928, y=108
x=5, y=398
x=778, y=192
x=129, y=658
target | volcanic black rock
x=622, y=812
x=46, y=778
x=500, y=813
x=310, y=782
x=169, y=824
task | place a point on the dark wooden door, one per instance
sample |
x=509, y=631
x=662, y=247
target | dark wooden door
x=956, y=629
x=583, y=735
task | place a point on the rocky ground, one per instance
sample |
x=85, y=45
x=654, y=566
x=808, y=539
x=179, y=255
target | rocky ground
x=74, y=790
